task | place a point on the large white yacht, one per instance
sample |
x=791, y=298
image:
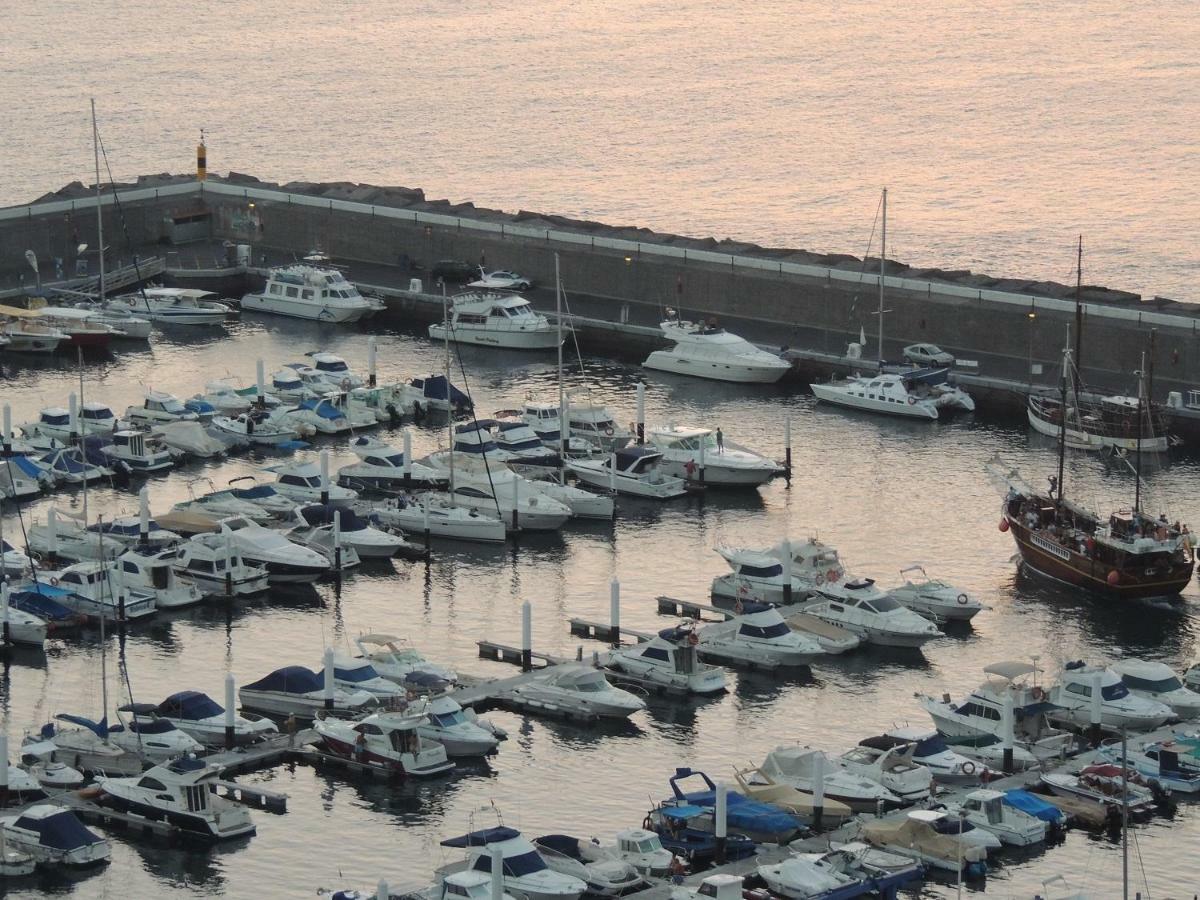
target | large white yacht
x=309, y=292
x=390, y=741
x=1119, y=707
x=691, y=452
x=179, y=306
x=706, y=351
x=576, y=688
x=496, y=320
x=634, y=471
x=858, y=606
x=160, y=407
x=913, y=393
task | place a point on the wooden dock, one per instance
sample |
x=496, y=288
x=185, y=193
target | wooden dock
x=261, y=754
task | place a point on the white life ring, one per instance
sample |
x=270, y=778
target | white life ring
x=912, y=401
x=54, y=582
x=966, y=770
x=345, y=384
x=963, y=599
x=608, y=431
x=820, y=579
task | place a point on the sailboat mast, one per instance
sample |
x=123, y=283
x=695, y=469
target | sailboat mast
x=1078, y=313
x=449, y=416
x=564, y=430
x=1125, y=814
x=1062, y=425
x=103, y=649
x=882, y=260
x=99, y=208
x=1137, y=460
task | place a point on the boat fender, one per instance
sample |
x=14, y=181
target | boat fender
x=54, y=582
x=739, y=608
x=963, y=599
x=831, y=576
x=1038, y=694
x=609, y=431
x=912, y=401
x=1114, y=577
x=646, y=823
x=693, y=638
x=968, y=768
x=1003, y=525
x=820, y=579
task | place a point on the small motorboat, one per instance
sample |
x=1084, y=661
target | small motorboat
x=757, y=577
x=87, y=746
x=934, y=598
x=284, y=560
x=190, y=439
x=23, y=478
x=530, y=877
x=465, y=885
x=798, y=767
x=515, y=437
x=183, y=793
x=578, y=688
x=543, y=419
x=159, y=408
x=1156, y=681
x=95, y=589
x=605, y=873
x=459, y=730
x=643, y=850
x=302, y=482
x=172, y=305
x=315, y=415
x=143, y=453
x=704, y=454
x=387, y=740
x=201, y=717
x=219, y=504
x=633, y=471
x=24, y=627
x=122, y=533
x=957, y=827
x=669, y=660
x=917, y=839
x=90, y=325
x=357, y=674
x=354, y=531
x=328, y=372
x=436, y=515
x=686, y=832
x=1165, y=762
x=69, y=466
x=757, y=637
x=295, y=690
x=1104, y=785
x=861, y=608
x=986, y=810
x=1119, y=707
x=227, y=399
x=400, y=662
x=23, y=787
x=582, y=504
x=930, y=751
x=761, y=822
x=54, y=837
x=264, y=496
x=153, y=572
x=40, y=600
x=889, y=766
x=52, y=422
x=757, y=784
x=217, y=568
x=430, y=392
x=254, y=428
x=491, y=488
x=39, y=761
x=142, y=731
x=382, y=466
x=810, y=877
x=13, y=563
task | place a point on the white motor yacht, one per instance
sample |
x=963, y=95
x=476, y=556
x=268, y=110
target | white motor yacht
x=595, y=424
x=309, y=292
x=1119, y=707
x=543, y=418
x=217, y=568
x=909, y=393
x=327, y=372
x=302, y=482
x=141, y=731
x=357, y=674
x=493, y=489
x=94, y=589
x=934, y=598
x=922, y=838
x=957, y=828
x=582, y=504
x=643, y=850
x=124, y=532
x=53, y=422
x=382, y=466
x=284, y=560
x=182, y=792
x=172, y=305
x=435, y=392
x=697, y=454
x=634, y=471
x=144, y=453
x=1105, y=785
x=314, y=525
x=264, y=496
x=314, y=415
x=190, y=439
x=986, y=810
x=401, y=662
x=930, y=750
x=669, y=660
x=525, y=872
x=24, y=787
x=1156, y=681
x=514, y=437
x=892, y=767
x=859, y=607
x=200, y=716
x=24, y=336
x=496, y=320
x=757, y=577
x=289, y=387
x=389, y=741
x=295, y=690
x=576, y=688
x=25, y=627
x=255, y=427
x=159, y=408
x=150, y=571
x=465, y=885
x=799, y=767
x=459, y=730
x=87, y=746
x=23, y=478
x=976, y=725
x=123, y=325
x=224, y=397
x=706, y=351
x=1174, y=765
x=13, y=563
x=474, y=439
x=605, y=874
x=54, y=837
x=437, y=515
x=219, y=504
x=757, y=637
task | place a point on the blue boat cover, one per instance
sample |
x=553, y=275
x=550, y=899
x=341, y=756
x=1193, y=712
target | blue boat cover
x=61, y=831
x=39, y=603
x=190, y=705
x=742, y=812
x=1033, y=804
x=434, y=388
x=258, y=492
x=26, y=465
x=322, y=514
x=100, y=729
x=682, y=813
x=482, y=838
x=289, y=680
x=202, y=407
x=561, y=843
x=322, y=408
x=292, y=445
x=64, y=461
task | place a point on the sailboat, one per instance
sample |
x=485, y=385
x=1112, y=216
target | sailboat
x=1131, y=556
x=908, y=392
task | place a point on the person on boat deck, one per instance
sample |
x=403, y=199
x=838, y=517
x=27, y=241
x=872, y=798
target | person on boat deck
x=720, y=440
x=689, y=468
x=676, y=869
x=360, y=746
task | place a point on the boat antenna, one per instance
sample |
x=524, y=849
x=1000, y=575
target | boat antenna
x=99, y=207
x=103, y=649
x=449, y=407
x=1062, y=424
x=1124, y=813
x=1078, y=313
x=1137, y=462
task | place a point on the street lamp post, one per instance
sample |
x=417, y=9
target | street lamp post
x=1032, y=319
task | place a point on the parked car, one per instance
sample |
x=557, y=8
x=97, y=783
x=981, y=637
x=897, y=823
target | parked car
x=502, y=281
x=454, y=270
x=928, y=355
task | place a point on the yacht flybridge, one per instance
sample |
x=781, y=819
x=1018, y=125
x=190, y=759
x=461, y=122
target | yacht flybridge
x=310, y=292
x=496, y=320
x=706, y=351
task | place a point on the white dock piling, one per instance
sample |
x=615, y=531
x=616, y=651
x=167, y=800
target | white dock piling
x=382, y=892
x=720, y=825
x=325, y=477
x=1008, y=732
x=337, y=541
x=787, y=447
x=818, y=783
x=564, y=426
x=230, y=712
x=785, y=550
x=260, y=383
x=52, y=527
x=73, y=417
x=1096, y=709
x=6, y=634
x=425, y=516
x=497, y=872
x=3, y=770
x=371, y=361
x=144, y=514
x=641, y=413
x=526, y=637
x=700, y=471
x=328, y=694
x=407, y=459
x=228, y=542
x=614, y=610
x=7, y=430
x=612, y=472
x=516, y=512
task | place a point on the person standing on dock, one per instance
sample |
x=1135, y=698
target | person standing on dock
x=720, y=440
x=291, y=730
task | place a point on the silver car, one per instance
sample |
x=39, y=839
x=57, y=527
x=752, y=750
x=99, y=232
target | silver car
x=928, y=355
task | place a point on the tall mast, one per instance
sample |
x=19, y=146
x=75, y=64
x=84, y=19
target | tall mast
x=1062, y=427
x=563, y=426
x=882, y=260
x=1078, y=314
x=99, y=209
x=1137, y=465
x=449, y=415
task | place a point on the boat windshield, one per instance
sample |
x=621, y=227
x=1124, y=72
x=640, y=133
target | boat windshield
x=448, y=720
x=1153, y=685
x=514, y=866
x=882, y=604
x=518, y=312
x=338, y=366
x=395, y=459
x=649, y=845
x=779, y=629
x=592, y=685
x=693, y=443
x=358, y=674
x=172, y=405
x=1114, y=691
x=930, y=746
x=760, y=571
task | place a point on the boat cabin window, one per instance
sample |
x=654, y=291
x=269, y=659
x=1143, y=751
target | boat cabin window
x=335, y=366
x=514, y=866
x=197, y=797
x=469, y=319
x=97, y=414
x=707, y=890
x=472, y=492
x=128, y=566
x=200, y=565
x=760, y=571
x=1154, y=685
x=656, y=653
x=313, y=481
x=779, y=629
x=881, y=604
x=592, y=685
x=276, y=289
x=979, y=710
x=456, y=889
x=380, y=461
x=151, y=784
x=368, y=728
x=446, y=720
x=293, y=292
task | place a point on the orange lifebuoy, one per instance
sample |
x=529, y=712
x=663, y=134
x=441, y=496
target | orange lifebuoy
x=693, y=638
x=1038, y=694
x=739, y=608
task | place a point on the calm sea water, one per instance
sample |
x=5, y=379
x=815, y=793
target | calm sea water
x=1003, y=131
x=886, y=493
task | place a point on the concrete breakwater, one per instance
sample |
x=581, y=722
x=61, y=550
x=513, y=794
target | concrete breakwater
x=797, y=298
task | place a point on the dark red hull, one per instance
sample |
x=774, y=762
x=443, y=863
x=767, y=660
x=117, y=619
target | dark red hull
x=89, y=340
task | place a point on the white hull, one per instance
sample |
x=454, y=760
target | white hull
x=597, y=475
x=187, y=318
x=488, y=337
x=717, y=474
x=300, y=309
x=444, y=523
x=1082, y=440
x=33, y=343
x=832, y=393
x=715, y=369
